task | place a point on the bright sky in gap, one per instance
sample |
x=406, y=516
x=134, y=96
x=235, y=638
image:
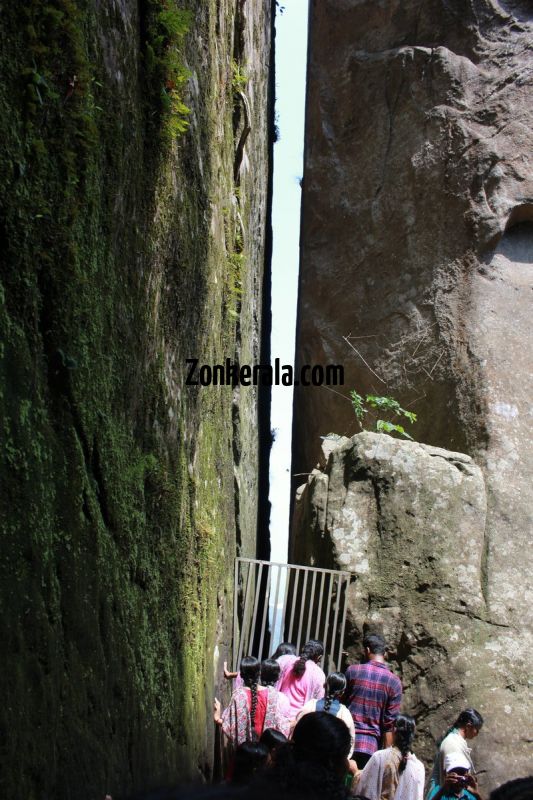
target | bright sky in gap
x=291, y=59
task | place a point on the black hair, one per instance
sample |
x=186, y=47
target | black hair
x=321, y=738
x=270, y=670
x=250, y=669
x=250, y=757
x=375, y=642
x=518, y=789
x=404, y=732
x=284, y=649
x=310, y=766
x=311, y=652
x=469, y=717
x=272, y=738
x=335, y=687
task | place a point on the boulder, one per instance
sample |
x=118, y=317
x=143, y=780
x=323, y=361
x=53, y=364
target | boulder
x=409, y=520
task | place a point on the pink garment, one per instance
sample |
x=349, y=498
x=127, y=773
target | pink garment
x=300, y=690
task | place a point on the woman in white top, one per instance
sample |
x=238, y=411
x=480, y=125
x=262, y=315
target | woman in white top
x=394, y=773
x=334, y=687
x=465, y=728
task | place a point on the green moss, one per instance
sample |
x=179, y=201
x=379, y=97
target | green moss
x=117, y=491
x=166, y=27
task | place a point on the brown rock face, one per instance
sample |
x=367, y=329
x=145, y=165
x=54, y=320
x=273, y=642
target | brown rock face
x=409, y=521
x=417, y=245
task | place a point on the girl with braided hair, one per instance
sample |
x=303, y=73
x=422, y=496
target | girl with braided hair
x=252, y=707
x=301, y=678
x=394, y=773
x=334, y=687
x=456, y=739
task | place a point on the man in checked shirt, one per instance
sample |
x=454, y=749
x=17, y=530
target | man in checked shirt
x=373, y=695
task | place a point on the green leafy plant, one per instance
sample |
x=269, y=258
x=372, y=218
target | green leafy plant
x=239, y=78
x=384, y=405
x=163, y=59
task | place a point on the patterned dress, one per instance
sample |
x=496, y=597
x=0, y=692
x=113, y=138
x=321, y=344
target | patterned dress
x=236, y=721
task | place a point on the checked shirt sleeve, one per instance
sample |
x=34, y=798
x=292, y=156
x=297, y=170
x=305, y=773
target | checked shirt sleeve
x=394, y=700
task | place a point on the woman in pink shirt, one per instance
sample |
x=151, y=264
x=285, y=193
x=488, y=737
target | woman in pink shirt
x=301, y=678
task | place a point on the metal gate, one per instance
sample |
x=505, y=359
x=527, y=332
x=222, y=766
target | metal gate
x=286, y=602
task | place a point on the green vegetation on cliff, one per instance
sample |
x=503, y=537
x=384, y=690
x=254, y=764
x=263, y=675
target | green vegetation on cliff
x=116, y=492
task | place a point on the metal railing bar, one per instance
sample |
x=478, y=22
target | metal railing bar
x=343, y=624
x=302, y=613
x=293, y=566
x=294, y=592
x=236, y=632
x=311, y=606
x=318, y=619
x=244, y=616
x=284, y=612
x=326, y=625
x=293, y=605
x=256, y=604
x=336, y=617
x=275, y=615
x=265, y=610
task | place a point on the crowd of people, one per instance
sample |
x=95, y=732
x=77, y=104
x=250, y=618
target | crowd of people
x=296, y=731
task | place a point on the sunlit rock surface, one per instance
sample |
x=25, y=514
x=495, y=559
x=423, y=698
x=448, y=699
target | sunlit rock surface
x=409, y=521
x=417, y=245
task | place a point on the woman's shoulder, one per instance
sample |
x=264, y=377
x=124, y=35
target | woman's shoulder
x=313, y=667
x=345, y=713
x=308, y=708
x=415, y=764
x=380, y=755
x=284, y=661
x=452, y=741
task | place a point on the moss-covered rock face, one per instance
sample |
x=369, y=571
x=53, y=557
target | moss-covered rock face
x=130, y=242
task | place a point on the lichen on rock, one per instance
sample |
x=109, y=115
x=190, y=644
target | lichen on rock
x=117, y=484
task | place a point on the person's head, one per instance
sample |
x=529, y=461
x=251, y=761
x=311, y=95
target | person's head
x=312, y=765
x=335, y=684
x=269, y=672
x=250, y=757
x=313, y=650
x=518, y=789
x=469, y=722
x=272, y=740
x=284, y=649
x=374, y=645
x=404, y=732
x=334, y=687
x=250, y=670
x=320, y=738
x=457, y=769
